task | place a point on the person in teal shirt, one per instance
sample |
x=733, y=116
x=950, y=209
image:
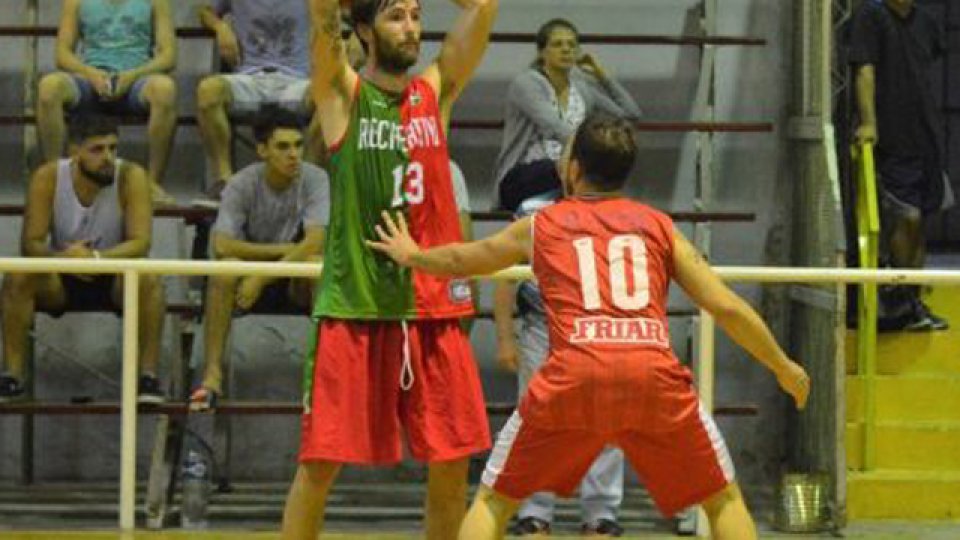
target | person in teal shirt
x=113, y=57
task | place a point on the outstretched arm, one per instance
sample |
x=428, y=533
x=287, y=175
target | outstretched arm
x=506, y=248
x=737, y=318
x=332, y=77
x=462, y=51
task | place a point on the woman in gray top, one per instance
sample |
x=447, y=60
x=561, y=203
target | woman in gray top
x=545, y=104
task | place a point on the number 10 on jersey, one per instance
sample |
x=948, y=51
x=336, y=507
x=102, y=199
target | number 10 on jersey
x=620, y=249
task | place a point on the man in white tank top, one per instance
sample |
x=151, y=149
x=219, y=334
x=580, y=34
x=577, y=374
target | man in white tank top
x=91, y=205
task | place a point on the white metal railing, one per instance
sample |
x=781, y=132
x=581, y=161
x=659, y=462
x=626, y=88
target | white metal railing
x=131, y=269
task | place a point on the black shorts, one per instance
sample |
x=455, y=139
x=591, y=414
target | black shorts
x=275, y=300
x=93, y=295
x=906, y=179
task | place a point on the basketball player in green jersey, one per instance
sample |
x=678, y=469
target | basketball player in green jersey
x=389, y=354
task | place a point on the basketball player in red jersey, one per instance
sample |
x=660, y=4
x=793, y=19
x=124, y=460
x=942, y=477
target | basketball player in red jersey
x=604, y=264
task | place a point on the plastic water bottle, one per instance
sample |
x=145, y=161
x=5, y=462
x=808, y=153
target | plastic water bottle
x=193, y=506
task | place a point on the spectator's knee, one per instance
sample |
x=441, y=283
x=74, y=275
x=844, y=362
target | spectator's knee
x=160, y=91
x=54, y=90
x=212, y=93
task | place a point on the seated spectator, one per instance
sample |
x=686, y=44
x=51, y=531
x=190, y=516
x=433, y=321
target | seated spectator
x=545, y=104
x=126, y=48
x=267, y=44
x=92, y=205
x=274, y=210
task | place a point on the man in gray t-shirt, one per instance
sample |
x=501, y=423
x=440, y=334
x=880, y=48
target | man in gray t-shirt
x=266, y=43
x=274, y=210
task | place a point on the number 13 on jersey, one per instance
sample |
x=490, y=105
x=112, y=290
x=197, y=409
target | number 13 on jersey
x=407, y=184
x=623, y=251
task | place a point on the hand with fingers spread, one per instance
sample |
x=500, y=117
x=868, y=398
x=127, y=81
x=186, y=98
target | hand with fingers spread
x=395, y=240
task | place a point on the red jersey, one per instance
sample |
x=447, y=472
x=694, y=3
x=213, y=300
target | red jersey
x=604, y=267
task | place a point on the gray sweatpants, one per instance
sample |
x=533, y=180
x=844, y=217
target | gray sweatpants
x=601, y=489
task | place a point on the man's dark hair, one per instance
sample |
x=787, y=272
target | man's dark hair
x=271, y=118
x=606, y=149
x=85, y=126
x=365, y=11
x=547, y=28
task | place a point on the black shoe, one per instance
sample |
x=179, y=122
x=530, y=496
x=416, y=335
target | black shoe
x=935, y=322
x=530, y=525
x=148, y=390
x=602, y=527
x=11, y=388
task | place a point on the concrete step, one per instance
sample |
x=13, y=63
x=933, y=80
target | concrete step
x=899, y=494
x=918, y=446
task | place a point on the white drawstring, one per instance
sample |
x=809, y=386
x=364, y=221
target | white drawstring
x=406, y=371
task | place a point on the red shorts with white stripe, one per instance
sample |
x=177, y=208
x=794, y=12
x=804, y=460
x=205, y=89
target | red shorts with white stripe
x=373, y=378
x=679, y=468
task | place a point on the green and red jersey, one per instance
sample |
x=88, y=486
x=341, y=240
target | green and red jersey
x=393, y=157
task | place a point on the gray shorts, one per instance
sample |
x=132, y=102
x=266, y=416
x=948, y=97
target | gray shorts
x=87, y=100
x=250, y=91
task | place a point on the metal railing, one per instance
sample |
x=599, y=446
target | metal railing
x=132, y=269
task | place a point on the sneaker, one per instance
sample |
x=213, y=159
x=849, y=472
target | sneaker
x=203, y=399
x=935, y=322
x=11, y=388
x=602, y=527
x=148, y=390
x=211, y=196
x=530, y=526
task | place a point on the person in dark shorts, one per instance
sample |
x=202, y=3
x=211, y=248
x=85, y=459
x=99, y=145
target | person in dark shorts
x=893, y=44
x=91, y=206
x=273, y=210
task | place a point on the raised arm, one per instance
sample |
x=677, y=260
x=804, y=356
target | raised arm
x=506, y=248
x=736, y=317
x=333, y=80
x=462, y=51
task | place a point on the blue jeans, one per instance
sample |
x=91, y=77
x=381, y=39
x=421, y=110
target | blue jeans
x=132, y=103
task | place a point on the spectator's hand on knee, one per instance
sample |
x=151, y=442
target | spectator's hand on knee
x=248, y=292
x=123, y=83
x=100, y=80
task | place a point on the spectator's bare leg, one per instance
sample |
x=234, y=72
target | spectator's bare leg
x=150, y=315
x=217, y=316
x=307, y=500
x=488, y=515
x=19, y=298
x=160, y=93
x=55, y=92
x=213, y=99
x=446, y=498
